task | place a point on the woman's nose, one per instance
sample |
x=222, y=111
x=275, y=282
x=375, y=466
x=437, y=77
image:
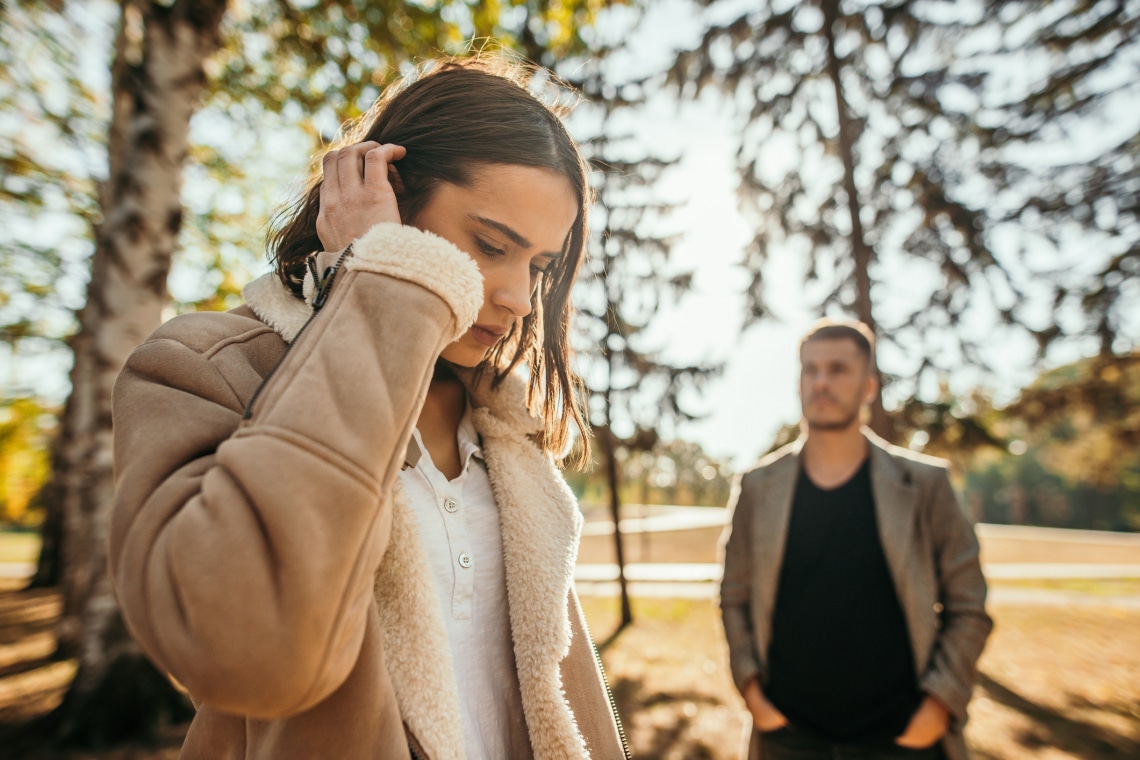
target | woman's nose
x=512, y=288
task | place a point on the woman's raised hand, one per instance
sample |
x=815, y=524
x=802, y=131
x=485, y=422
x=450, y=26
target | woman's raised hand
x=356, y=192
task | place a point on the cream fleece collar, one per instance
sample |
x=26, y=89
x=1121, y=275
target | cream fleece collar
x=540, y=524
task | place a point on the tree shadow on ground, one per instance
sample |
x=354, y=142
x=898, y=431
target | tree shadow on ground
x=1063, y=732
x=633, y=699
x=1129, y=712
x=605, y=644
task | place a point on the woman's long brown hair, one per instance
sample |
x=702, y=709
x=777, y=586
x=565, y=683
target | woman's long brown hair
x=453, y=117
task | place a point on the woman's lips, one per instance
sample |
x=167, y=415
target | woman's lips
x=488, y=336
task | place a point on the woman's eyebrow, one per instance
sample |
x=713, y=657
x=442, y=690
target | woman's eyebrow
x=515, y=237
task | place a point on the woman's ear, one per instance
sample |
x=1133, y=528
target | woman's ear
x=396, y=181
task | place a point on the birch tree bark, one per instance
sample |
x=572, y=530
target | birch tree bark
x=157, y=82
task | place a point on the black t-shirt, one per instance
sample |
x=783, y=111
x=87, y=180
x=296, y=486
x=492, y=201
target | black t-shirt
x=840, y=660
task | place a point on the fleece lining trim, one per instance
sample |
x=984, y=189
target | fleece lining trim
x=395, y=250
x=416, y=651
x=426, y=259
x=540, y=523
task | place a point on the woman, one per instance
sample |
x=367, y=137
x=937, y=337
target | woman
x=337, y=521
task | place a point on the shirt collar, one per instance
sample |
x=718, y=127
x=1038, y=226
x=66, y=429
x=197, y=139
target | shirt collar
x=468, y=439
x=466, y=436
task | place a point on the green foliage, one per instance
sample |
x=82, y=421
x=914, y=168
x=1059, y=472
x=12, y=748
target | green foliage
x=339, y=54
x=1066, y=453
x=26, y=430
x=1086, y=419
x=1029, y=489
x=955, y=427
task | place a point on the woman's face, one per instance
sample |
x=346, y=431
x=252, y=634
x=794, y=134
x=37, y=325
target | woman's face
x=513, y=221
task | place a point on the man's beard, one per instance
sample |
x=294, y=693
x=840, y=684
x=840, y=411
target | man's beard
x=830, y=426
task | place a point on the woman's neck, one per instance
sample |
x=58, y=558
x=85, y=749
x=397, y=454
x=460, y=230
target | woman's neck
x=439, y=422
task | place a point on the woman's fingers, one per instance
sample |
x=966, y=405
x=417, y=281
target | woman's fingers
x=351, y=165
x=356, y=192
x=329, y=178
x=376, y=163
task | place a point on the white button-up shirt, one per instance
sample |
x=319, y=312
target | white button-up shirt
x=459, y=525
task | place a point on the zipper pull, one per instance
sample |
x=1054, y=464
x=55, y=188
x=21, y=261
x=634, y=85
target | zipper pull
x=324, y=287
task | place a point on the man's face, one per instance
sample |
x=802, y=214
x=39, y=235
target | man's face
x=835, y=382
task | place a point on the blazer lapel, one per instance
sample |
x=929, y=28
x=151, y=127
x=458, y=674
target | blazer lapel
x=770, y=533
x=895, y=495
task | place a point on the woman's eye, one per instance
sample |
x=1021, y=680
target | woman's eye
x=487, y=249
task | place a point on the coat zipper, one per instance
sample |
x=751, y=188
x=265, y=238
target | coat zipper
x=248, y=413
x=613, y=704
x=414, y=747
x=320, y=296
x=609, y=693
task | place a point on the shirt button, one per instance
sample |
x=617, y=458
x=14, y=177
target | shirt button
x=450, y=505
x=464, y=559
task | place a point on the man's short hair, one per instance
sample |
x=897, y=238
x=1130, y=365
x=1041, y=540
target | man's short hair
x=843, y=329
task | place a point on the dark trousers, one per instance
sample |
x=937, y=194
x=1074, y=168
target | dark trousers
x=792, y=744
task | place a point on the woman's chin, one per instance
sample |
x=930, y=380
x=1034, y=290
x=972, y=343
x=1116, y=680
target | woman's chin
x=463, y=354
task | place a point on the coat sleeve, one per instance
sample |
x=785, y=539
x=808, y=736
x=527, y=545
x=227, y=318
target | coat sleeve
x=243, y=550
x=736, y=585
x=962, y=595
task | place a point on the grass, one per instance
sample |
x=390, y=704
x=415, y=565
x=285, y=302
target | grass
x=1054, y=682
x=1093, y=586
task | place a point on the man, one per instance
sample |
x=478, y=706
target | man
x=852, y=599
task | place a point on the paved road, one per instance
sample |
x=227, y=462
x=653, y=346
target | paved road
x=998, y=596
x=669, y=517
x=701, y=581
x=682, y=518
x=690, y=572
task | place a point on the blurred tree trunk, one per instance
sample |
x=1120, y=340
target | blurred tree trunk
x=860, y=251
x=157, y=81
x=49, y=566
x=613, y=479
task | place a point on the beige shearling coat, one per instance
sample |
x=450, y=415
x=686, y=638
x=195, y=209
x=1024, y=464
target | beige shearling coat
x=931, y=552
x=262, y=549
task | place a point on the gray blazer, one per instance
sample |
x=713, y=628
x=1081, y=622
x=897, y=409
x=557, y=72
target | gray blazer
x=931, y=551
